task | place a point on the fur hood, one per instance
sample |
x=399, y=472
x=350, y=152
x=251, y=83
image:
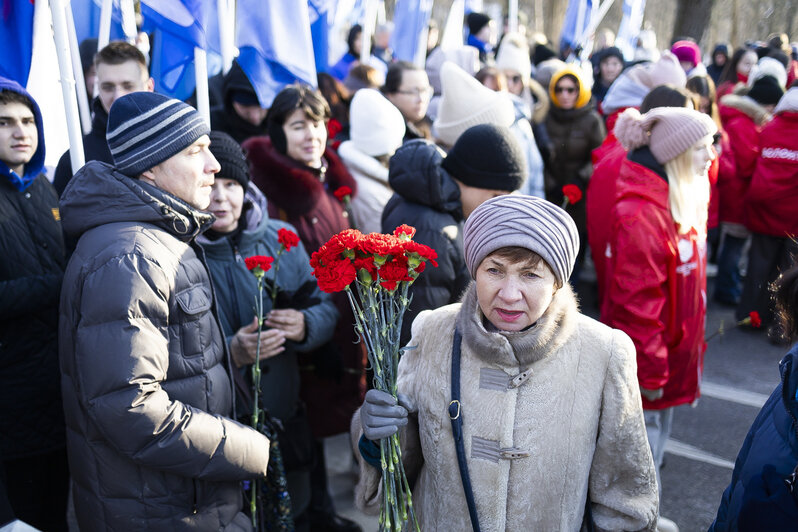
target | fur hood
x=292, y=186
x=540, y=340
x=748, y=106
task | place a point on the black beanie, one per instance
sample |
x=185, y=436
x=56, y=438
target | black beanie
x=231, y=158
x=612, y=51
x=476, y=21
x=766, y=91
x=487, y=156
x=542, y=53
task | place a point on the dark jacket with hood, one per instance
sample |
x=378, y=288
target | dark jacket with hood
x=225, y=118
x=333, y=376
x=95, y=148
x=757, y=497
x=145, y=373
x=31, y=268
x=427, y=198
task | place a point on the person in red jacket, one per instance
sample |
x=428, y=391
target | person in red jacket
x=601, y=189
x=771, y=213
x=742, y=117
x=657, y=263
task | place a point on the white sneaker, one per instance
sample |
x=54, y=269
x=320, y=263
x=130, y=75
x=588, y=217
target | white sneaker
x=666, y=525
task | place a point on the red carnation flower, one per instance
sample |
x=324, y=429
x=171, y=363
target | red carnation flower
x=394, y=271
x=342, y=193
x=572, y=194
x=423, y=252
x=404, y=229
x=380, y=244
x=287, y=238
x=259, y=261
x=756, y=320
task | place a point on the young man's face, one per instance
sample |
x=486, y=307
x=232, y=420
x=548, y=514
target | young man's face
x=189, y=174
x=114, y=81
x=19, y=138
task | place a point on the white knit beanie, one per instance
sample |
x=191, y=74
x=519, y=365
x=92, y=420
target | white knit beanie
x=514, y=55
x=466, y=102
x=668, y=131
x=376, y=126
x=768, y=66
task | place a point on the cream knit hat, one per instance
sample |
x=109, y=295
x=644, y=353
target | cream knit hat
x=466, y=102
x=668, y=131
x=514, y=55
x=376, y=126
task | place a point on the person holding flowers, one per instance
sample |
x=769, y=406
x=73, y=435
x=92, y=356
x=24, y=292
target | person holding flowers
x=656, y=270
x=514, y=410
x=300, y=320
x=299, y=175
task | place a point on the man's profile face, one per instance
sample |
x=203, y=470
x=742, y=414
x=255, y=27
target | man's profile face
x=114, y=81
x=189, y=174
x=19, y=138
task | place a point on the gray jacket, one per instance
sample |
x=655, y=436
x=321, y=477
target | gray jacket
x=145, y=374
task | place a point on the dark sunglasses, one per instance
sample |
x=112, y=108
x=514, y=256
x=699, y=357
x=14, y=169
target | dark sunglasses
x=569, y=90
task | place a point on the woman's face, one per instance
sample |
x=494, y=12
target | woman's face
x=747, y=62
x=610, y=68
x=305, y=138
x=703, y=155
x=227, y=199
x=513, y=295
x=515, y=82
x=413, y=96
x=567, y=92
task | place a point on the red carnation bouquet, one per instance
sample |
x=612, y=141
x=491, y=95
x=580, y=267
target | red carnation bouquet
x=376, y=272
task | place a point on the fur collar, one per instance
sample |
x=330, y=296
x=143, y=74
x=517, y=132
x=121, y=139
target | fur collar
x=548, y=334
x=748, y=106
x=291, y=186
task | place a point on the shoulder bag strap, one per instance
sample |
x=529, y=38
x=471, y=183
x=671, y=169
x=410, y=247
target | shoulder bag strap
x=456, y=416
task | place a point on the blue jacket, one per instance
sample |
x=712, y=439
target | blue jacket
x=757, y=497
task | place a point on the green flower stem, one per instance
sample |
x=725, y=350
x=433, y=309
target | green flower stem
x=253, y=503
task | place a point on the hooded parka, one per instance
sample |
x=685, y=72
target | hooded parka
x=656, y=290
x=427, y=198
x=145, y=373
x=552, y=418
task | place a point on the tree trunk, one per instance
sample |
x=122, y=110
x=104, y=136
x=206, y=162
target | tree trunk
x=692, y=18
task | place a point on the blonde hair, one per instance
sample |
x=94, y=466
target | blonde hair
x=688, y=192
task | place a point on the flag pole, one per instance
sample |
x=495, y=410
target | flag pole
x=105, y=24
x=67, y=84
x=77, y=70
x=226, y=31
x=369, y=22
x=201, y=72
x=512, y=16
x=128, y=10
x=452, y=37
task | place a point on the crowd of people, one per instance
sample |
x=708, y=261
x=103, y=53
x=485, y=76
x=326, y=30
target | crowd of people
x=128, y=330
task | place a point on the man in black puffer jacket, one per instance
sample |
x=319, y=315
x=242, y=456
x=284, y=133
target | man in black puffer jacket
x=436, y=194
x=33, y=470
x=146, y=374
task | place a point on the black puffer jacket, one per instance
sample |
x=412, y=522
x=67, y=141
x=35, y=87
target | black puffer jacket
x=146, y=380
x=426, y=197
x=95, y=148
x=31, y=268
x=224, y=118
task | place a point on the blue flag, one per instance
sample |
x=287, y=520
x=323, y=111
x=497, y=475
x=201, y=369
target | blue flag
x=630, y=26
x=16, y=27
x=577, y=18
x=86, y=14
x=410, y=18
x=319, y=12
x=179, y=26
x=275, y=45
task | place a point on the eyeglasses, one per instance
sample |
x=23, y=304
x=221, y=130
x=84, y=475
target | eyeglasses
x=569, y=90
x=418, y=93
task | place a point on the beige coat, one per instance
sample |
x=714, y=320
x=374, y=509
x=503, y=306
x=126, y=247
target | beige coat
x=575, y=420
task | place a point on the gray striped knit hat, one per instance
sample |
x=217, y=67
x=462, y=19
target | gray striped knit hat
x=522, y=221
x=146, y=128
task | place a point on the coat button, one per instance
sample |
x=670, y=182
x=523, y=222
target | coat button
x=314, y=220
x=27, y=195
x=44, y=245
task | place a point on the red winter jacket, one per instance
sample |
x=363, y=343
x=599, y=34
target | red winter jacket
x=773, y=195
x=600, y=200
x=742, y=120
x=657, y=287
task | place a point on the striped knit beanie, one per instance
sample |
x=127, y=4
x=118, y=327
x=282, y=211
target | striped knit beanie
x=668, y=131
x=522, y=221
x=147, y=128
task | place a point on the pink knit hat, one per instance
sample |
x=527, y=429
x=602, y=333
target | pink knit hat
x=687, y=51
x=668, y=131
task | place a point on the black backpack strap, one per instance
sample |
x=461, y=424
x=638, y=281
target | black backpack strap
x=456, y=416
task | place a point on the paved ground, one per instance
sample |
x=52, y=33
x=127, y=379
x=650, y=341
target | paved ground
x=741, y=369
